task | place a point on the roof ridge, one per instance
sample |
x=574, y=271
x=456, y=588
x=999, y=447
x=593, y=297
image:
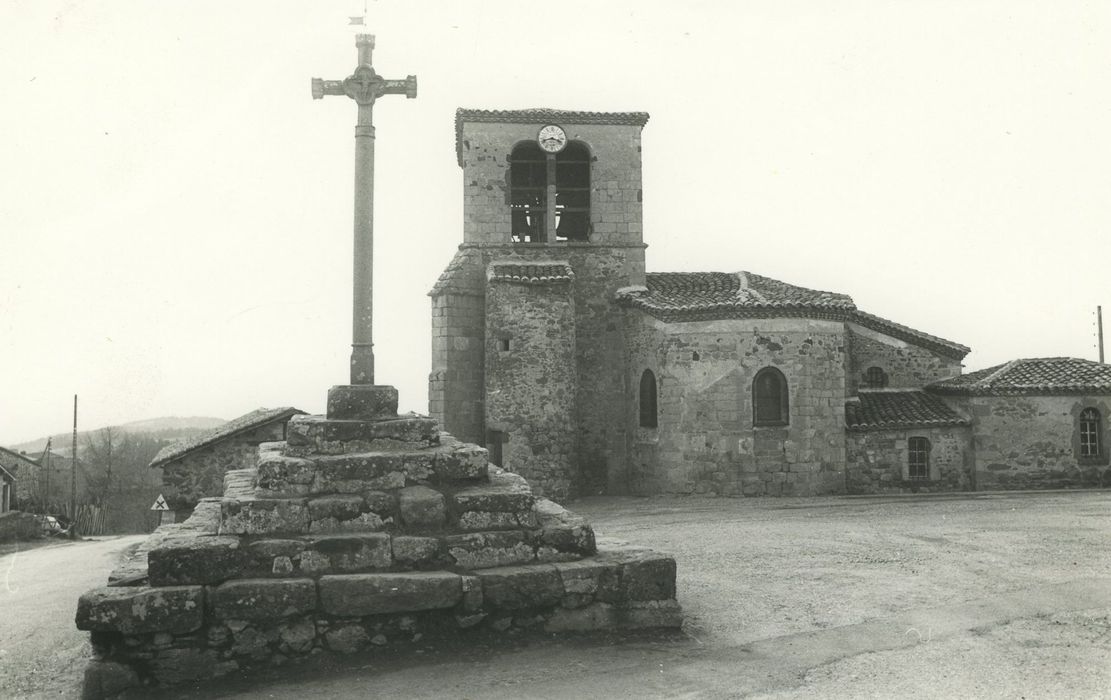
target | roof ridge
x=986, y=381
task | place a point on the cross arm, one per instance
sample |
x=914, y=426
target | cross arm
x=407, y=87
x=320, y=88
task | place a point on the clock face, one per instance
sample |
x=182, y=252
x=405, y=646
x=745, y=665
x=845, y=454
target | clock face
x=552, y=138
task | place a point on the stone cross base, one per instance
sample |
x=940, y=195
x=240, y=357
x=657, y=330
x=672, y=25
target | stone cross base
x=363, y=529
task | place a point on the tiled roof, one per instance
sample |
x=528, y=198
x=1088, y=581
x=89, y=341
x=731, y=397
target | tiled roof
x=460, y=276
x=254, y=419
x=1045, y=375
x=15, y=457
x=539, y=115
x=896, y=330
x=705, y=296
x=530, y=273
x=891, y=410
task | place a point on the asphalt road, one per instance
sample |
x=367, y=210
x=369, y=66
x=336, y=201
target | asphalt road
x=42, y=654
x=984, y=596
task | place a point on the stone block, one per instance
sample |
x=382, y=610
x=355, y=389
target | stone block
x=593, y=617
x=346, y=639
x=262, y=599
x=461, y=462
x=365, y=522
x=374, y=594
x=421, y=507
x=346, y=553
x=362, y=402
x=141, y=609
x=504, y=493
x=321, y=433
x=297, y=636
x=647, y=614
x=483, y=550
x=174, y=666
x=363, y=472
x=284, y=477
x=472, y=594
x=204, y=559
x=339, y=507
x=261, y=516
x=648, y=576
x=415, y=552
x=106, y=679
x=518, y=587
x=588, y=580
x=477, y=520
x=561, y=531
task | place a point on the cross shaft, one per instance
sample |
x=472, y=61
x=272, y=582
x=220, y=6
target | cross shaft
x=364, y=86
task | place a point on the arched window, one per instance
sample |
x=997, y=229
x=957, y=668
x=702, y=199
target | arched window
x=540, y=213
x=875, y=378
x=918, y=458
x=1089, y=433
x=648, y=399
x=769, y=397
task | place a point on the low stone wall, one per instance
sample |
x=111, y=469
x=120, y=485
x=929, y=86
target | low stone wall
x=16, y=525
x=173, y=634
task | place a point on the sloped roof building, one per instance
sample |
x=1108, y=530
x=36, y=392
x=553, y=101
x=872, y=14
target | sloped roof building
x=556, y=348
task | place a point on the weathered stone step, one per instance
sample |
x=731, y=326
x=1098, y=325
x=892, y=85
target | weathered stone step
x=362, y=402
x=615, y=577
x=206, y=559
x=328, y=436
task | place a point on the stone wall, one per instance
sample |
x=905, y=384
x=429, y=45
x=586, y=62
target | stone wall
x=531, y=381
x=16, y=525
x=877, y=461
x=456, y=389
x=705, y=441
x=906, y=365
x=200, y=474
x=1033, y=442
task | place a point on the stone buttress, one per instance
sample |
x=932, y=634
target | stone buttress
x=363, y=529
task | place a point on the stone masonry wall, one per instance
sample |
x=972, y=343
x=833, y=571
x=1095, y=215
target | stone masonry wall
x=201, y=473
x=531, y=381
x=906, y=365
x=456, y=390
x=877, y=461
x=1033, y=442
x=705, y=441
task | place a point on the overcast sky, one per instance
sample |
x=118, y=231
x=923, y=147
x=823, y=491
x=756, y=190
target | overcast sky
x=176, y=209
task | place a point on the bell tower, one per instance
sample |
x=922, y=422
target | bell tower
x=552, y=227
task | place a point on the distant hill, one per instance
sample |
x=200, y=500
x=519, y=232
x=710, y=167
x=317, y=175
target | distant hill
x=167, y=429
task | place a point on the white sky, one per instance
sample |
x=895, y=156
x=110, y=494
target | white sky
x=175, y=209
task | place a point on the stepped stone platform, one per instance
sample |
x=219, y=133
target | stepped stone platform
x=364, y=529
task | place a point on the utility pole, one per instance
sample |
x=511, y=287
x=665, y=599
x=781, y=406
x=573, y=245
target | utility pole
x=73, y=477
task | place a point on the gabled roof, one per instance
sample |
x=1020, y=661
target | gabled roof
x=5, y=472
x=891, y=410
x=896, y=330
x=11, y=454
x=530, y=273
x=250, y=421
x=539, y=115
x=1044, y=375
x=706, y=296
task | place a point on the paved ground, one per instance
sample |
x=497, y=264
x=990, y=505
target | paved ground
x=993, y=596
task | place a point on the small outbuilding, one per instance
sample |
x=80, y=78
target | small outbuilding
x=1036, y=423
x=194, y=468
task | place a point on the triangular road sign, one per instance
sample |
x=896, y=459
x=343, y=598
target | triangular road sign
x=160, y=504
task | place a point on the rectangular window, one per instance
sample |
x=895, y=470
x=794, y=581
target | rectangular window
x=918, y=458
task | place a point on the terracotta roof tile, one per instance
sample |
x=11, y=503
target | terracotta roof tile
x=892, y=410
x=539, y=115
x=460, y=276
x=702, y=296
x=254, y=419
x=530, y=273
x=1044, y=375
x=941, y=345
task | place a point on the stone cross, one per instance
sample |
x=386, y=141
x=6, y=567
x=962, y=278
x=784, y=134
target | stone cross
x=364, y=86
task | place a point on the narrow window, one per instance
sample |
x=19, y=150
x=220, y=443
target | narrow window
x=1089, y=433
x=875, y=378
x=769, y=397
x=503, y=344
x=528, y=193
x=918, y=458
x=572, y=205
x=549, y=194
x=648, y=399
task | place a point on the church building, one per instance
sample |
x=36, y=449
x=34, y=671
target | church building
x=576, y=368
